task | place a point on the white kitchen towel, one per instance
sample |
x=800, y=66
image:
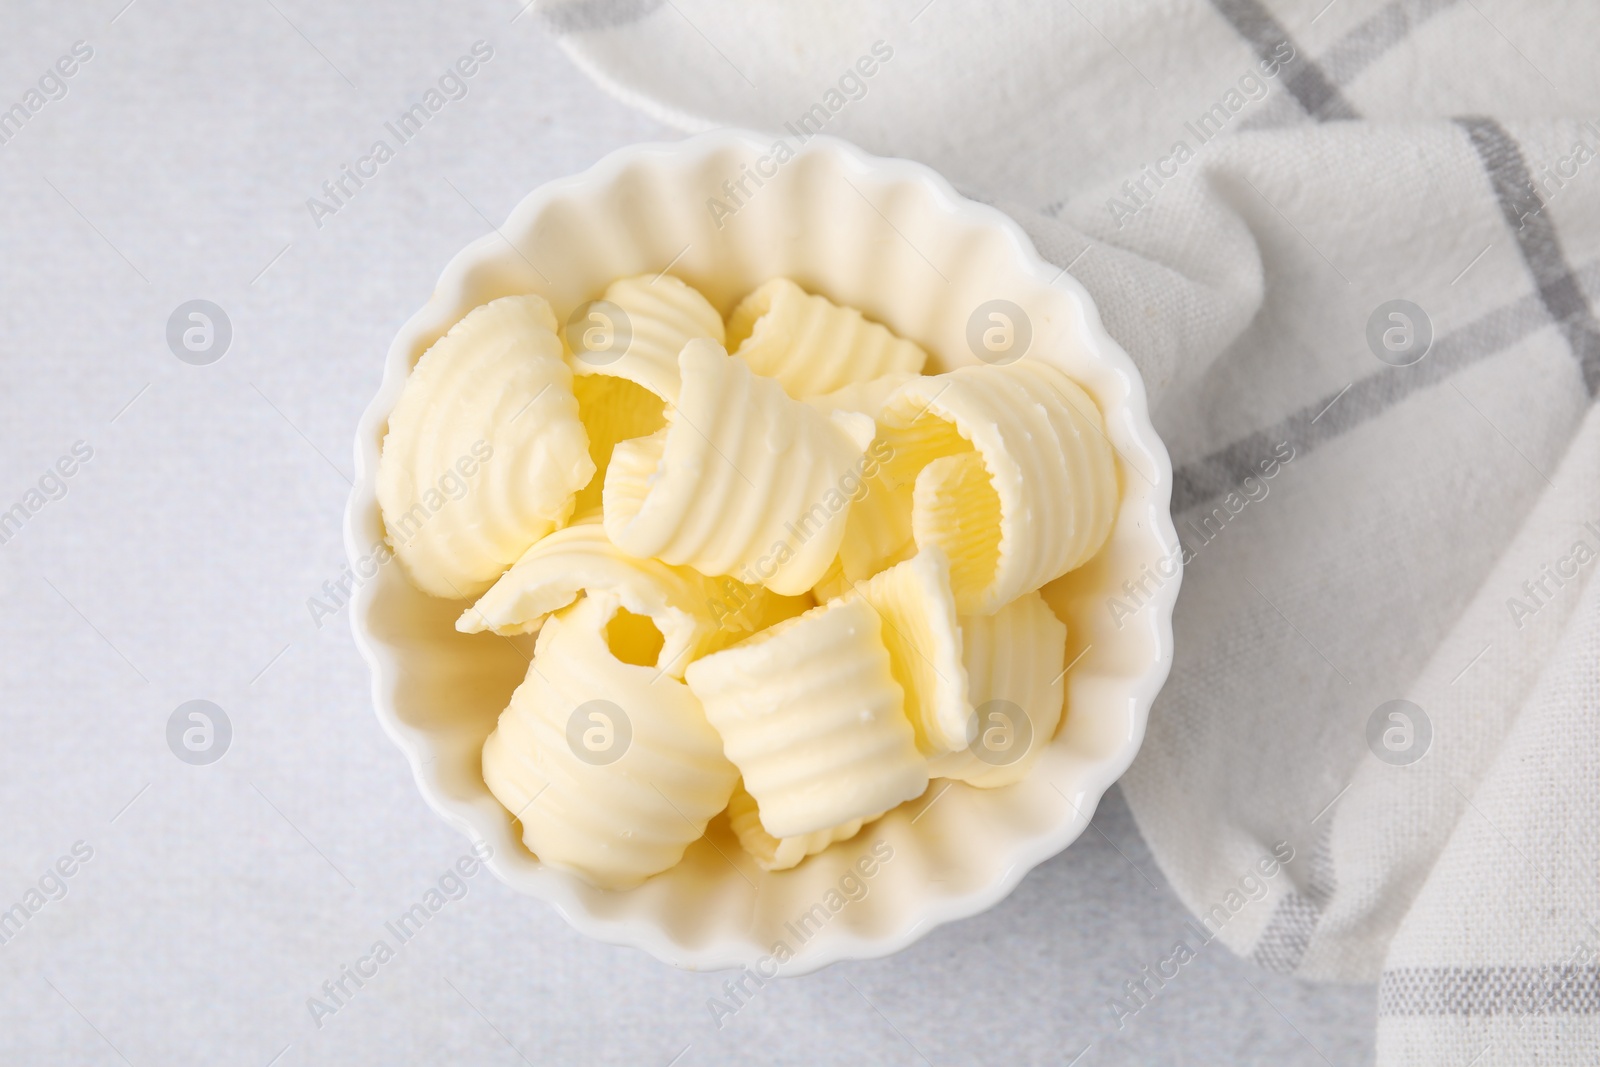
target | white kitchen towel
x=1354, y=247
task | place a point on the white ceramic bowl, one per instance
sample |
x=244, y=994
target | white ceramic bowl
x=893, y=239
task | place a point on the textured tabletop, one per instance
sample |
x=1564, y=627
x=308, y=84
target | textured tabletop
x=202, y=512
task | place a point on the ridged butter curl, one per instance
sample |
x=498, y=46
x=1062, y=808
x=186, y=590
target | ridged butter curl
x=813, y=345
x=810, y=713
x=623, y=388
x=918, y=611
x=484, y=450
x=743, y=480
x=774, y=853
x=694, y=614
x=1016, y=656
x=1029, y=487
x=613, y=823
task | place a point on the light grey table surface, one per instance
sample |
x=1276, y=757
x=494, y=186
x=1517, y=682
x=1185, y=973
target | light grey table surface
x=178, y=562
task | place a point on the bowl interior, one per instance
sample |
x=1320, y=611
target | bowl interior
x=892, y=239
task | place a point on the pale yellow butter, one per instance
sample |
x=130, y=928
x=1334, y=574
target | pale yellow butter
x=812, y=345
x=694, y=614
x=484, y=450
x=918, y=611
x=1030, y=491
x=581, y=559
x=1014, y=662
x=810, y=713
x=683, y=666
x=662, y=314
x=624, y=383
x=780, y=854
x=742, y=481
x=615, y=823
